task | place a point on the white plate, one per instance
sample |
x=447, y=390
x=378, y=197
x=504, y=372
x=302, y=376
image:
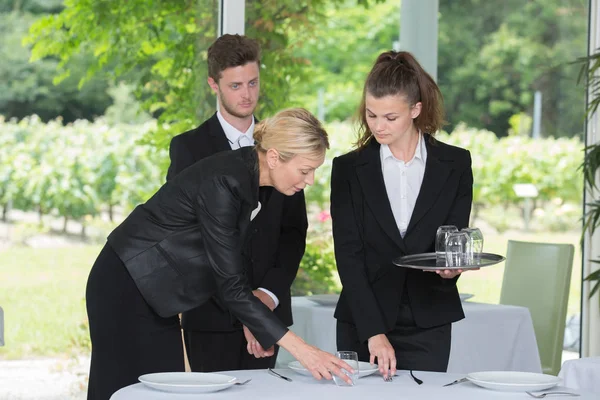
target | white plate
x=465, y=296
x=513, y=381
x=187, y=382
x=325, y=299
x=364, y=368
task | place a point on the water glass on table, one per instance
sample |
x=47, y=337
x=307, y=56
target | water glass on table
x=440, y=239
x=456, y=249
x=474, y=246
x=351, y=358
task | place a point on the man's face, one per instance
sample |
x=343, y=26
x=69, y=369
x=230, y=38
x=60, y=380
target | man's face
x=237, y=90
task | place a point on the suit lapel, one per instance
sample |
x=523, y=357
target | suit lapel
x=216, y=135
x=436, y=174
x=370, y=176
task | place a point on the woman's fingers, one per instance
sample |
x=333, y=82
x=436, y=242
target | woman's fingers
x=326, y=365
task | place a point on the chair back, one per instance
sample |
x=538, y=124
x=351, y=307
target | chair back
x=538, y=276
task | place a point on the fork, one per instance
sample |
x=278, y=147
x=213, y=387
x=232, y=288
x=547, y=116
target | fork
x=387, y=378
x=542, y=395
x=243, y=383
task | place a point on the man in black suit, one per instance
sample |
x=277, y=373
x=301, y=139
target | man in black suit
x=214, y=339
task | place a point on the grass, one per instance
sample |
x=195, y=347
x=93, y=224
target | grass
x=42, y=294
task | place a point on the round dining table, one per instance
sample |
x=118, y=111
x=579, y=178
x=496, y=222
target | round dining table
x=582, y=373
x=267, y=386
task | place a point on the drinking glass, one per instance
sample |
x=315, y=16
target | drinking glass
x=456, y=249
x=475, y=245
x=440, y=239
x=351, y=358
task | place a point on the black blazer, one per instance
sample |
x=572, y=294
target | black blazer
x=184, y=244
x=274, y=248
x=367, y=238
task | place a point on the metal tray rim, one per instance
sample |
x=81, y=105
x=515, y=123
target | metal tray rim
x=404, y=261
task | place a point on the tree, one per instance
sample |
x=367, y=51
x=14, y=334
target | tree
x=27, y=88
x=339, y=56
x=493, y=59
x=166, y=42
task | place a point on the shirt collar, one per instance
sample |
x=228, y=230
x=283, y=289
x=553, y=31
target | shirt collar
x=420, y=151
x=232, y=133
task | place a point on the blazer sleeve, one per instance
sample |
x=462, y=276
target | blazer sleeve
x=218, y=210
x=350, y=257
x=181, y=156
x=292, y=243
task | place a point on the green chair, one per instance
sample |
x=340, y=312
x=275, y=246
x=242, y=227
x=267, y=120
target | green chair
x=537, y=276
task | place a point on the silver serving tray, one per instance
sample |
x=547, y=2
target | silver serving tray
x=429, y=262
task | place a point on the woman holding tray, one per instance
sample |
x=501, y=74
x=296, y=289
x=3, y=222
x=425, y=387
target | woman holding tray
x=388, y=197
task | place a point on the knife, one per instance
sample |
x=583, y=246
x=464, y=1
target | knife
x=456, y=381
x=279, y=375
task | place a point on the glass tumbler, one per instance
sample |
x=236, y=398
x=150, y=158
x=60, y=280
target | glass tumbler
x=351, y=358
x=475, y=245
x=440, y=239
x=456, y=249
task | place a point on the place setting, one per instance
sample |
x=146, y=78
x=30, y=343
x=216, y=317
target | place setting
x=535, y=385
x=190, y=382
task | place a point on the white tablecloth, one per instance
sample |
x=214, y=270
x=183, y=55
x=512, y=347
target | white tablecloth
x=492, y=337
x=1, y=327
x=265, y=386
x=583, y=373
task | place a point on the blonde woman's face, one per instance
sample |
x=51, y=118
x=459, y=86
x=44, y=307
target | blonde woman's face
x=294, y=175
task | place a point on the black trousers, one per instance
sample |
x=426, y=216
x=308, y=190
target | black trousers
x=222, y=351
x=420, y=349
x=128, y=338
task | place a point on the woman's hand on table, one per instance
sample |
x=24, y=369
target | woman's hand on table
x=320, y=363
x=381, y=348
x=254, y=347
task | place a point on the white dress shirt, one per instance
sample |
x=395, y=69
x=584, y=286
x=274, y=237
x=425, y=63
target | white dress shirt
x=236, y=140
x=403, y=181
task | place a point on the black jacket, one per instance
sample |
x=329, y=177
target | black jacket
x=367, y=238
x=184, y=244
x=275, y=244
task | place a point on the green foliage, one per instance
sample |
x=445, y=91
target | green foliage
x=339, y=56
x=511, y=51
x=316, y=272
x=125, y=107
x=341, y=137
x=27, y=88
x=550, y=164
x=590, y=67
x=78, y=170
x=31, y=6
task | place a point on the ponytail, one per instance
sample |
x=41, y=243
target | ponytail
x=400, y=74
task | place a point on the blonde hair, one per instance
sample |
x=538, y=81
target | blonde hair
x=294, y=131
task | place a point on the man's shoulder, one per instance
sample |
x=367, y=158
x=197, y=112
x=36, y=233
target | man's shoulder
x=199, y=132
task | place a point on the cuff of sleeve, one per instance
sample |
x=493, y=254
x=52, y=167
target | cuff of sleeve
x=271, y=295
